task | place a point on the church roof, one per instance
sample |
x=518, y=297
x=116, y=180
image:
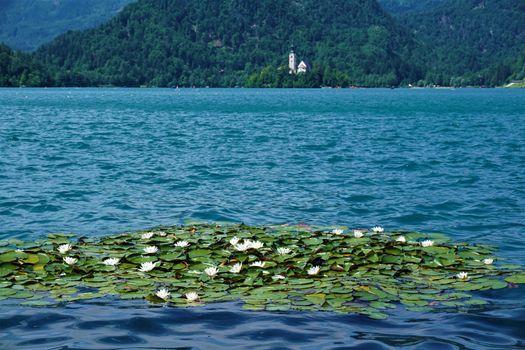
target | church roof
x=302, y=65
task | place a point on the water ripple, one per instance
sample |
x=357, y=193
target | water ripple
x=95, y=161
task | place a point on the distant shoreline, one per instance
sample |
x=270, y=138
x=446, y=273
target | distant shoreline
x=514, y=85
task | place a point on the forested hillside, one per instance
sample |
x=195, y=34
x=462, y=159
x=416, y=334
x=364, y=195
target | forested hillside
x=401, y=7
x=27, y=24
x=473, y=42
x=21, y=69
x=222, y=43
x=230, y=43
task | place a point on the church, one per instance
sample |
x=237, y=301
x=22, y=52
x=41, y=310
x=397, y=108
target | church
x=294, y=67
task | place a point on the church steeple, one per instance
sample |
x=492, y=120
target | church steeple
x=292, y=61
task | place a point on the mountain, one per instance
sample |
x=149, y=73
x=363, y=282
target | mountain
x=27, y=24
x=230, y=43
x=403, y=7
x=223, y=43
x=22, y=69
x=474, y=42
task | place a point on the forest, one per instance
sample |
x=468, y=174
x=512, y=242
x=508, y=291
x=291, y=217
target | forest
x=235, y=43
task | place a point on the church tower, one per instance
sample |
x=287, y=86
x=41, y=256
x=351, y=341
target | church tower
x=292, y=62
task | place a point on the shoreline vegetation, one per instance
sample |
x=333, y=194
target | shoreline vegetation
x=273, y=268
x=519, y=85
x=22, y=70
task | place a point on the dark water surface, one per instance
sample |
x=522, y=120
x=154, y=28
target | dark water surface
x=97, y=161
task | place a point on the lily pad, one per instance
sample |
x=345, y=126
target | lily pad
x=322, y=271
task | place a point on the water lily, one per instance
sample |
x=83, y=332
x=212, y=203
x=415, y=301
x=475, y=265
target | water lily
x=401, y=239
x=283, y=251
x=147, y=266
x=358, y=233
x=147, y=235
x=488, y=261
x=247, y=244
x=64, y=248
x=234, y=240
x=182, y=244
x=462, y=275
x=69, y=260
x=279, y=277
x=427, y=243
x=337, y=231
x=192, y=296
x=211, y=271
x=163, y=293
x=378, y=229
x=257, y=244
x=111, y=261
x=236, y=268
x=151, y=250
x=313, y=270
x=257, y=264
x=242, y=247
x=162, y=233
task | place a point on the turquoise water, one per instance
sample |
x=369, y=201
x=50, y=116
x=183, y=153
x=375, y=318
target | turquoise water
x=96, y=161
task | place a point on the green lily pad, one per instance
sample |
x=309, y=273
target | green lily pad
x=8, y=257
x=317, y=298
x=517, y=278
x=35, y=303
x=356, y=275
x=7, y=269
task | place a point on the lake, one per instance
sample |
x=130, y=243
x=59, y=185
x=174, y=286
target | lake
x=100, y=161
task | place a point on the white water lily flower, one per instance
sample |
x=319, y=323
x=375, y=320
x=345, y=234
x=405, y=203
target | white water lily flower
x=258, y=264
x=257, y=244
x=236, y=268
x=69, y=260
x=163, y=293
x=182, y=244
x=111, y=261
x=162, y=233
x=462, y=275
x=192, y=296
x=234, y=240
x=211, y=271
x=337, y=231
x=283, y=251
x=358, y=233
x=401, y=239
x=147, y=266
x=488, y=261
x=313, y=270
x=378, y=229
x=147, y=235
x=242, y=247
x=151, y=250
x=64, y=248
x=19, y=251
x=279, y=277
x=427, y=243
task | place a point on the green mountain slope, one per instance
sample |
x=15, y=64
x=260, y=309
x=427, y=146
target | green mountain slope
x=246, y=43
x=470, y=41
x=21, y=69
x=402, y=7
x=221, y=43
x=27, y=24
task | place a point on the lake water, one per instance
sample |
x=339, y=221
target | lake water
x=98, y=161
